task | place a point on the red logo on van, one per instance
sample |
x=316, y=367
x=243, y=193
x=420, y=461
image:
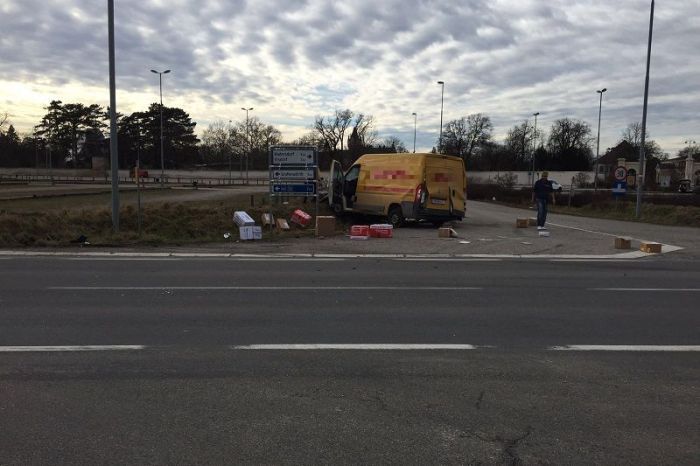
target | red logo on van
x=391, y=175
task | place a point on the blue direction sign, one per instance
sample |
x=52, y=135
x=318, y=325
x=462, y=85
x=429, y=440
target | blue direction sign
x=619, y=188
x=294, y=188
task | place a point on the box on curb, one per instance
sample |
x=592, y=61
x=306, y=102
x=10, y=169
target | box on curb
x=250, y=233
x=623, y=243
x=301, y=218
x=532, y=221
x=651, y=248
x=282, y=224
x=242, y=219
x=521, y=222
x=325, y=225
x=381, y=230
x=446, y=232
x=267, y=219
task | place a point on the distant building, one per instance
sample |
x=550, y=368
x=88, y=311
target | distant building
x=671, y=171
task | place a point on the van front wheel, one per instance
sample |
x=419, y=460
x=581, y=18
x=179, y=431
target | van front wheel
x=395, y=216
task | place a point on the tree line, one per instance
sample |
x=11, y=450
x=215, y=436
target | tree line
x=71, y=134
x=567, y=147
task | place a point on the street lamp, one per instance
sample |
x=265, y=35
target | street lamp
x=597, y=149
x=162, y=159
x=442, y=101
x=534, y=147
x=247, y=133
x=415, y=122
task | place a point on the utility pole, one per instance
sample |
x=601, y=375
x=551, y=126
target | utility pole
x=640, y=184
x=442, y=103
x=415, y=122
x=114, y=155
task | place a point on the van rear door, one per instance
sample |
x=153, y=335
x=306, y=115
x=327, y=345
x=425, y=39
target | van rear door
x=335, y=187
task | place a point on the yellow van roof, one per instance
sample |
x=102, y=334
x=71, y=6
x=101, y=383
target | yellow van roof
x=404, y=156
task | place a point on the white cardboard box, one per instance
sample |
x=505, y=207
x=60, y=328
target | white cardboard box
x=242, y=219
x=250, y=232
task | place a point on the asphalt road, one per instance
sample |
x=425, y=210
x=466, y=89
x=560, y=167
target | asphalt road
x=190, y=388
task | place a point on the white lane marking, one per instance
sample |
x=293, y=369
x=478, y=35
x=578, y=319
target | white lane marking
x=451, y=259
x=646, y=289
x=358, y=346
x=240, y=259
x=264, y=288
x=678, y=348
x=22, y=349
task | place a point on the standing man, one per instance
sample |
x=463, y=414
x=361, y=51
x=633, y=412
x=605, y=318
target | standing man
x=542, y=192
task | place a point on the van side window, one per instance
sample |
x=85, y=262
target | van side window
x=352, y=174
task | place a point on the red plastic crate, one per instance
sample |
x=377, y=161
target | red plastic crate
x=359, y=230
x=381, y=230
x=300, y=218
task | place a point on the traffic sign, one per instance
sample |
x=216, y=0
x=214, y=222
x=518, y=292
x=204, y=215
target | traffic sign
x=293, y=156
x=619, y=188
x=294, y=188
x=620, y=173
x=292, y=173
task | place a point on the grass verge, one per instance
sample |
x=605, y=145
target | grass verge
x=651, y=213
x=162, y=224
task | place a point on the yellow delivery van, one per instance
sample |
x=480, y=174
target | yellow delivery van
x=400, y=187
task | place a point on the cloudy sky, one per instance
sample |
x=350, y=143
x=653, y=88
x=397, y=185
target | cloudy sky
x=294, y=59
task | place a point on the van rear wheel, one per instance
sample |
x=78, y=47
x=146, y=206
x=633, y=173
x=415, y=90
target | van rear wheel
x=395, y=216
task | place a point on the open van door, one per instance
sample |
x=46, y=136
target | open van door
x=335, y=187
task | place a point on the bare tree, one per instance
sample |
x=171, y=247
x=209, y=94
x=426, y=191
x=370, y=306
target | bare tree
x=518, y=142
x=218, y=143
x=633, y=134
x=464, y=136
x=332, y=129
x=4, y=121
x=569, y=145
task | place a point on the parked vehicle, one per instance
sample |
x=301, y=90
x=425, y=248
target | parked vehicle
x=556, y=186
x=400, y=187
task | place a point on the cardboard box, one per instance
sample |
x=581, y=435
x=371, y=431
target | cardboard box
x=381, y=230
x=544, y=233
x=521, y=223
x=268, y=219
x=651, y=248
x=282, y=224
x=250, y=233
x=325, y=225
x=623, y=243
x=242, y=219
x=532, y=221
x=301, y=218
x=446, y=232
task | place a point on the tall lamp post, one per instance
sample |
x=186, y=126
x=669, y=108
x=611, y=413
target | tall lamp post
x=162, y=158
x=597, y=149
x=247, y=135
x=442, y=102
x=415, y=122
x=534, y=147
